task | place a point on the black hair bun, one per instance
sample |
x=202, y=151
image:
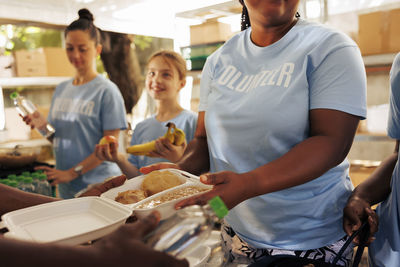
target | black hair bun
x=85, y=14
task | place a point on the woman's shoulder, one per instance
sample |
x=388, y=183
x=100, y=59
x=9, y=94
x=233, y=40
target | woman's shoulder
x=105, y=84
x=322, y=34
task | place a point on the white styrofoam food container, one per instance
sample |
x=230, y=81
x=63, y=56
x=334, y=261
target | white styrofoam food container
x=72, y=222
x=166, y=209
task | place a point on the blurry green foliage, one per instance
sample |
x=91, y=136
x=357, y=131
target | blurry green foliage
x=29, y=37
x=142, y=42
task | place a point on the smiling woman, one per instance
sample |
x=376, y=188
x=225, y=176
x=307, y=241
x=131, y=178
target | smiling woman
x=83, y=110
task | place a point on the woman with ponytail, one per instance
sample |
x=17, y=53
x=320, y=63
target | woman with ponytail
x=279, y=107
x=83, y=110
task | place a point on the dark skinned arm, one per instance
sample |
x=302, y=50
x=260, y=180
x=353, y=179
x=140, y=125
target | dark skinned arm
x=14, y=199
x=123, y=247
x=373, y=190
x=331, y=136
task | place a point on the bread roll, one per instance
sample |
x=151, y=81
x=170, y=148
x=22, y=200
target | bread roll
x=158, y=181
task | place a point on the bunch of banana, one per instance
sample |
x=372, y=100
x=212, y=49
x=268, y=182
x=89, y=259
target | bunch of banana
x=175, y=135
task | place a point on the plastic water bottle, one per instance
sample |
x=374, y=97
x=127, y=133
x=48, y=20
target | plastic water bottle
x=35, y=181
x=187, y=228
x=25, y=107
x=27, y=185
x=43, y=186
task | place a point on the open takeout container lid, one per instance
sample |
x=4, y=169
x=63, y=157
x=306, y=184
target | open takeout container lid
x=72, y=222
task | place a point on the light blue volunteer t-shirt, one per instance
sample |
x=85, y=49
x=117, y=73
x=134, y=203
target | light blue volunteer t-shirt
x=80, y=114
x=151, y=129
x=385, y=250
x=257, y=102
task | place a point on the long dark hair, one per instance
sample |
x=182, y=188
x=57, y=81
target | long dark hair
x=85, y=23
x=245, y=21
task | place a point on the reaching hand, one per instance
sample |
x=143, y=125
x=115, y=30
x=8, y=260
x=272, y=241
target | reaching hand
x=233, y=188
x=100, y=188
x=124, y=246
x=166, y=150
x=107, y=152
x=55, y=176
x=356, y=211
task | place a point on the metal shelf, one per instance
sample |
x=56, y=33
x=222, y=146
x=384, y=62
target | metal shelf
x=379, y=60
x=360, y=137
x=7, y=83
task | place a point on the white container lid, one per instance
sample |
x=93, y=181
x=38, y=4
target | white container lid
x=73, y=221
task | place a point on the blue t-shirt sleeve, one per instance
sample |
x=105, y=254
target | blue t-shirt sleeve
x=394, y=111
x=113, y=114
x=205, y=84
x=339, y=82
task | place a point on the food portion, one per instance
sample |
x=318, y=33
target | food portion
x=173, y=195
x=158, y=181
x=153, y=183
x=130, y=196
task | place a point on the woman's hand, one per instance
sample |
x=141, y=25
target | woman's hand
x=166, y=150
x=29, y=118
x=107, y=152
x=356, y=211
x=233, y=188
x=55, y=176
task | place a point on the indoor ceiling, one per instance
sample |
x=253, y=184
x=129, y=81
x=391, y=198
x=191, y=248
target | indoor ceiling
x=150, y=17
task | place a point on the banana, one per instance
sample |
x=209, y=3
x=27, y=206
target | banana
x=142, y=149
x=179, y=137
x=145, y=148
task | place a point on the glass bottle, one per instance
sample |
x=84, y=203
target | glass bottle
x=25, y=107
x=187, y=228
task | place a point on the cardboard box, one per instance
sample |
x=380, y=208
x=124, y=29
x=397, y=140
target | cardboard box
x=57, y=62
x=378, y=33
x=30, y=63
x=209, y=32
x=47, y=61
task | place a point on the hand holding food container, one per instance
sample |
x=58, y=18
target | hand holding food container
x=226, y=184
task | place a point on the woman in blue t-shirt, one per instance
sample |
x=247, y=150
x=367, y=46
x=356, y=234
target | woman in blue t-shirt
x=279, y=107
x=83, y=110
x=166, y=76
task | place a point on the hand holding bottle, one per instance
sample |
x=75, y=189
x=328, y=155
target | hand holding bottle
x=32, y=116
